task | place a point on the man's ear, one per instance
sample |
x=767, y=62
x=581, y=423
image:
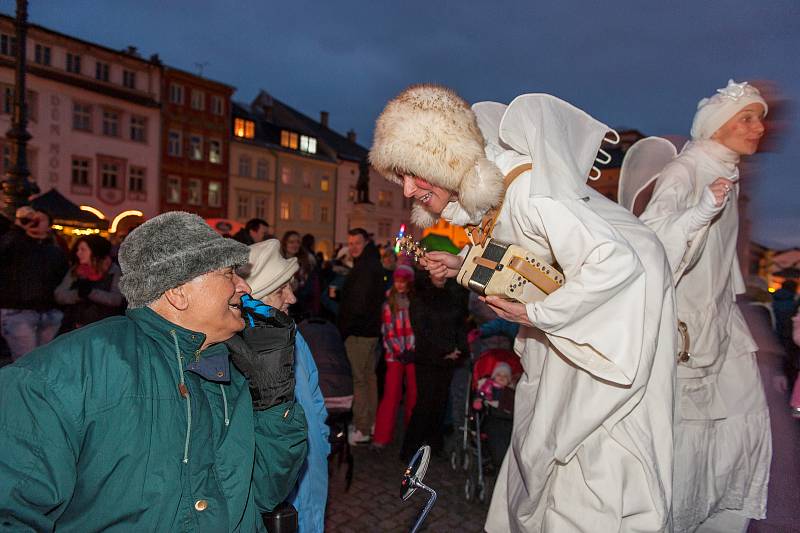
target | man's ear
x=178, y=297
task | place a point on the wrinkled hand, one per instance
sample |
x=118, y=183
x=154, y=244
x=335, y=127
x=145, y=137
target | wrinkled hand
x=720, y=188
x=508, y=310
x=264, y=353
x=441, y=265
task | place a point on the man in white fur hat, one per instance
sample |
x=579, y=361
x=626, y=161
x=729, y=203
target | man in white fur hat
x=592, y=443
x=722, y=430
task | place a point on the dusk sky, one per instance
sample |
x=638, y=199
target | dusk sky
x=632, y=64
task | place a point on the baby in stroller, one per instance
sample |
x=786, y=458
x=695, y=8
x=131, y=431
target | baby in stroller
x=495, y=397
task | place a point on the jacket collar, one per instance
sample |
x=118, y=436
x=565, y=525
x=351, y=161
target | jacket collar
x=212, y=363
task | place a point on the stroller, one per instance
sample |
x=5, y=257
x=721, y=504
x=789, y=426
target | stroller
x=471, y=454
x=336, y=383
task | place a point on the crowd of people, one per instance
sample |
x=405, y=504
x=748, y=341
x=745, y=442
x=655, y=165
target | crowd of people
x=187, y=388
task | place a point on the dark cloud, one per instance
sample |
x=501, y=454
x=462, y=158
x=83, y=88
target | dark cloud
x=630, y=63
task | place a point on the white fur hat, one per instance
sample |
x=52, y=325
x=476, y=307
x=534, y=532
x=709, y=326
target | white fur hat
x=718, y=109
x=268, y=269
x=430, y=132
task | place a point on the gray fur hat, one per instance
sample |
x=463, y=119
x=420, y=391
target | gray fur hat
x=169, y=250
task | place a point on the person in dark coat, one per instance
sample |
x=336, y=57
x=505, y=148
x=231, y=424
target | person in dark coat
x=360, y=323
x=439, y=320
x=256, y=230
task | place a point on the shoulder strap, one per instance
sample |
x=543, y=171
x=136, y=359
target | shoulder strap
x=478, y=234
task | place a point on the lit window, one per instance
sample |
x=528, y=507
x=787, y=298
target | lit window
x=260, y=207
x=110, y=123
x=196, y=147
x=323, y=213
x=41, y=54
x=325, y=184
x=244, y=166
x=285, y=211
x=385, y=198
x=138, y=128
x=80, y=171
x=289, y=139
x=262, y=169
x=101, y=71
x=195, y=192
x=136, y=180
x=214, y=193
x=286, y=175
x=217, y=105
x=244, y=128
x=81, y=117
x=215, y=151
x=198, y=100
x=308, y=144
x=176, y=94
x=175, y=143
x=73, y=63
x=173, y=189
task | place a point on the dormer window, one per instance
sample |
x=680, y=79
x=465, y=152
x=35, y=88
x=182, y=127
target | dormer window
x=308, y=144
x=244, y=128
x=289, y=139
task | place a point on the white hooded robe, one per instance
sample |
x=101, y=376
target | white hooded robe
x=592, y=442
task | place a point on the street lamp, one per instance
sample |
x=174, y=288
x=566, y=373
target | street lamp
x=16, y=187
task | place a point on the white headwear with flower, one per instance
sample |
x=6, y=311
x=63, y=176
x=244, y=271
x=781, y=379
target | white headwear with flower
x=716, y=110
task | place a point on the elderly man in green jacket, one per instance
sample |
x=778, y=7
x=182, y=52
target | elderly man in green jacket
x=139, y=423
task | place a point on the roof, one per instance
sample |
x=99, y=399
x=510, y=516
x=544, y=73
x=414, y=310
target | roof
x=286, y=117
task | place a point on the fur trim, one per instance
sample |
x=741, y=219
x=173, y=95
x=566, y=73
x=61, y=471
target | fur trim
x=422, y=218
x=430, y=132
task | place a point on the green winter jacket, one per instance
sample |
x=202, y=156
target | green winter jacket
x=95, y=435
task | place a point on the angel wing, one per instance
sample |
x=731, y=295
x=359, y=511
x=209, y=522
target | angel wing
x=642, y=164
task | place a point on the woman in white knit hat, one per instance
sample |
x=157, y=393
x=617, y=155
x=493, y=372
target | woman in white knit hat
x=722, y=429
x=270, y=279
x=591, y=449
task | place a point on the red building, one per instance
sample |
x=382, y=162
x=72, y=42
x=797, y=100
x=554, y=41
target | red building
x=195, y=119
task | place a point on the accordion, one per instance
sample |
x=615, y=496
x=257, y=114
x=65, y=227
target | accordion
x=495, y=268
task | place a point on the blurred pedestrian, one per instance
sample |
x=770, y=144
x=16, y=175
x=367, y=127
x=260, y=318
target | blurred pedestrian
x=90, y=289
x=255, y=230
x=139, y=422
x=31, y=267
x=360, y=305
x=270, y=280
x=306, y=283
x=398, y=352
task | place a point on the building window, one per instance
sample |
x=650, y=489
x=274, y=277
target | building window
x=384, y=228
x=285, y=213
x=198, y=100
x=196, y=147
x=8, y=99
x=136, y=180
x=260, y=207
x=176, y=94
x=308, y=144
x=7, y=106
x=41, y=54
x=325, y=184
x=214, y=193
x=173, y=189
x=244, y=166
x=109, y=176
x=323, y=213
x=244, y=128
x=175, y=143
x=385, y=198
x=138, y=128
x=262, y=169
x=195, y=192
x=289, y=139
x=306, y=179
x=129, y=79
x=73, y=63
x=110, y=123
x=286, y=175
x=81, y=117
x=217, y=105
x=306, y=210
x=8, y=45
x=101, y=71
x=215, y=151
x=80, y=172
x=242, y=206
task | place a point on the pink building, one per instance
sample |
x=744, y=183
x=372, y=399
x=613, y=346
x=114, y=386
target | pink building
x=94, y=117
